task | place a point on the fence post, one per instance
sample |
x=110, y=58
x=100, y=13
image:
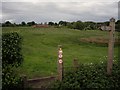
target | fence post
x=24, y=79
x=75, y=64
x=111, y=46
x=60, y=63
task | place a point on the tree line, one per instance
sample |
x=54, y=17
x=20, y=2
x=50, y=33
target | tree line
x=10, y=24
x=88, y=25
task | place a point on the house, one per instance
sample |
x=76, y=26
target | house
x=105, y=28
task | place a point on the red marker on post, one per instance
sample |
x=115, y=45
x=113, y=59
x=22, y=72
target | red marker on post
x=60, y=63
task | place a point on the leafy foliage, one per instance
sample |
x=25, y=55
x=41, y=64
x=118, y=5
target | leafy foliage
x=90, y=76
x=23, y=23
x=11, y=58
x=78, y=25
x=10, y=79
x=31, y=23
x=51, y=23
x=11, y=49
x=82, y=25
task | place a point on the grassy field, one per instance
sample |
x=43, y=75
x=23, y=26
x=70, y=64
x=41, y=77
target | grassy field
x=40, y=46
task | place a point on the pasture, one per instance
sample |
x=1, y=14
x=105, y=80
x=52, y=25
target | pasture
x=39, y=48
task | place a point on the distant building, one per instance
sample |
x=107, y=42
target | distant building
x=105, y=28
x=40, y=26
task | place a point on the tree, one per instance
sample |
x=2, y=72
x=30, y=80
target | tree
x=63, y=23
x=23, y=23
x=51, y=23
x=118, y=22
x=7, y=24
x=70, y=25
x=31, y=23
x=117, y=26
x=78, y=25
x=55, y=24
x=89, y=25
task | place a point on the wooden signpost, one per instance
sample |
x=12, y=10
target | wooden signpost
x=111, y=46
x=60, y=63
x=111, y=30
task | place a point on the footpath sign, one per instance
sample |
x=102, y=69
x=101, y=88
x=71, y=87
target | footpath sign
x=60, y=63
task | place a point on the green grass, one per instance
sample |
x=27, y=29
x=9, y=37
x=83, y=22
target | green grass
x=40, y=46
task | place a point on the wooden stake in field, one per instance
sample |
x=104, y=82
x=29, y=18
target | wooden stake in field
x=25, y=83
x=111, y=46
x=60, y=63
x=75, y=64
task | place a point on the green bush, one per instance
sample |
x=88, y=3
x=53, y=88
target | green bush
x=10, y=79
x=11, y=49
x=11, y=58
x=90, y=76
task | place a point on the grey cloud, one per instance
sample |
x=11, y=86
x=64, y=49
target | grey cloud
x=60, y=0
x=119, y=10
x=53, y=11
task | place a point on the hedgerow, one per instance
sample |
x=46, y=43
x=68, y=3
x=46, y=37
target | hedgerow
x=11, y=59
x=89, y=76
x=11, y=49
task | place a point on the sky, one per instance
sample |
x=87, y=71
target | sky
x=55, y=11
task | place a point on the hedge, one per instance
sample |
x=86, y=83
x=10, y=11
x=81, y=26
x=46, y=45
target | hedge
x=89, y=77
x=11, y=49
x=11, y=59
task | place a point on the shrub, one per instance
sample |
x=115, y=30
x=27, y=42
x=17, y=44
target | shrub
x=11, y=49
x=90, y=76
x=10, y=79
x=11, y=58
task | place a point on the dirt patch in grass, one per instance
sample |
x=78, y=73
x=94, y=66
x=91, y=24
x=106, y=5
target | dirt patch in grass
x=40, y=83
x=98, y=40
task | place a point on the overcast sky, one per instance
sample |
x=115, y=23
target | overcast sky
x=44, y=11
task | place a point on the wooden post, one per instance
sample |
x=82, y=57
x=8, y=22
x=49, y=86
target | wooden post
x=111, y=46
x=24, y=79
x=75, y=64
x=60, y=63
